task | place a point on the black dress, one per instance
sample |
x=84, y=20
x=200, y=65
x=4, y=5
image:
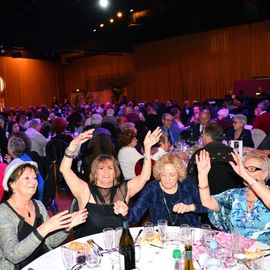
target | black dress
x=101, y=214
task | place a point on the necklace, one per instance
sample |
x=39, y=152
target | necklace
x=20, y=209
x=168, y=210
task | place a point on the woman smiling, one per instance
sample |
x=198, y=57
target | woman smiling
x=26, y=230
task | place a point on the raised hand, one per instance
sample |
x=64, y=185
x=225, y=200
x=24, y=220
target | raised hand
x=80, y=139
x=120, y=208
x=238, y=166
x=203, y=162
x=78, y=218
x=152, y=138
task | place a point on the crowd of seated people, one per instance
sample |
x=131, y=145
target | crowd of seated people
x=96, y=148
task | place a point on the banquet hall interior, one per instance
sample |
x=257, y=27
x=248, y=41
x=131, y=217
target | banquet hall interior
x=126, y=67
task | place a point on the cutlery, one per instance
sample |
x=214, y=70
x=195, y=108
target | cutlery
x=267, y=249
x=138, y=235
x=92, y=242
x=153, y=245
x=199, y=264
x=78, y=266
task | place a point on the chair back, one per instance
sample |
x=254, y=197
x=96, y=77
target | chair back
x=139, y=165
x=257, y=136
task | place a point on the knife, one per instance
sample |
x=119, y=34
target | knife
x=138, y=235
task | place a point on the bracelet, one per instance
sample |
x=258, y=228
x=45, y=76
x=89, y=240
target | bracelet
x=203, y=188
x=147, y=157
x=254, y=182
x=66, y=154
x=70, y=152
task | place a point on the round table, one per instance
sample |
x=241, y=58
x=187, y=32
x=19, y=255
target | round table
x=151, y=257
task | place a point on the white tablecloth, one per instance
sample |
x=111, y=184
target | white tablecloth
x=151, y=257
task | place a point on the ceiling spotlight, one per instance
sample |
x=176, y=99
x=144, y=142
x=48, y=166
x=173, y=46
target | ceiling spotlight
x=119, y=14
x=95, y=30
x=111, y=20
x=131, y=10
x=104, y=3
x=101, y=25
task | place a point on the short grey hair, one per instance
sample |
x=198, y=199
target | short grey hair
x=16, y=145
x=95, y=119
x=110, y=112
x=241, y=118
x=34, y=122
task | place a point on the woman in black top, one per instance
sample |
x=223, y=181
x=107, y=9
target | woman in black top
x=239, y=132
x=104, y=188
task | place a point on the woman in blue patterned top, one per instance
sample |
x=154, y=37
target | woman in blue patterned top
x=245, y=209
x=172, y=197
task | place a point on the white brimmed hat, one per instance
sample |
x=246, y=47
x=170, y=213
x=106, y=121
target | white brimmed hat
x=12, y=166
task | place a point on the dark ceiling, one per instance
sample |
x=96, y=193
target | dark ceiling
x=47, y=29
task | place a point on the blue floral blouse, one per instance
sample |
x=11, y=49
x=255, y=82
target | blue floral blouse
x=233, y=214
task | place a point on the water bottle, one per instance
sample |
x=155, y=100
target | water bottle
x=213, y=263
x=177, y=259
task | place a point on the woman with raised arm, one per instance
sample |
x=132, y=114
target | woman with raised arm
x=245, y=209
x=26, y=230
x=104, y=187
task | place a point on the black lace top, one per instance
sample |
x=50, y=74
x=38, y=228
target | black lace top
x=101, y=214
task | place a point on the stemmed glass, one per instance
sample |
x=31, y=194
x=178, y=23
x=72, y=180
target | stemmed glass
x=118, y=233
x=108, y=236
x=162, y=230
x=184, y=233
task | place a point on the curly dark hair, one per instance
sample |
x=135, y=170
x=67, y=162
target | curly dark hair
x=125, y=137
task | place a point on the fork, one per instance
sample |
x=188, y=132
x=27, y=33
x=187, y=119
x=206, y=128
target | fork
x=91, y=241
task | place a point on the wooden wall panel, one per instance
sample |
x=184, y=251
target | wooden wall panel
x=202, y=65
x=197, y=66
x=97, y=73
x=29, y=82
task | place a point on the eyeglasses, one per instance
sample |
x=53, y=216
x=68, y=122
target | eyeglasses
x=253, y=169
x=234, y=122
x=169, y=120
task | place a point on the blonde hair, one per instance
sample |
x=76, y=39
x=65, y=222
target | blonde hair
x=262, y=158
x=170, y=159
x=100, y=159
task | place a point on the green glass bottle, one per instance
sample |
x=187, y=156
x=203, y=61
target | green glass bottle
x=126, y=249
x=188, y=261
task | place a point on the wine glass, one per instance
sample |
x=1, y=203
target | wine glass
x=148, y=231
x=108, y=235
x=184, y=233
x=162, y=230
x=205, y=232
x=118, y=233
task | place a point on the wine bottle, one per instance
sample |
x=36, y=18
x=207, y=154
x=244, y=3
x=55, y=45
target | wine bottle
x=188, y=261
x=126, y=249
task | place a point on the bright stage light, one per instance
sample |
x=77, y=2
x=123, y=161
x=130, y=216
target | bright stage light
x=104, y=3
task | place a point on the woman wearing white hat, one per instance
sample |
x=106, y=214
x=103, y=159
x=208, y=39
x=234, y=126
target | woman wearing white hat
x=26, y=230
